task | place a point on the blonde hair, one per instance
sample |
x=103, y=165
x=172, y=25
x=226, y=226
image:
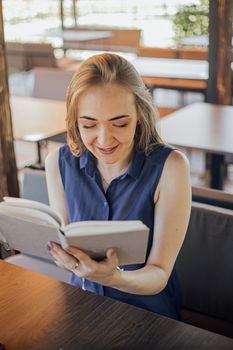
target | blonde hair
x=110, y=68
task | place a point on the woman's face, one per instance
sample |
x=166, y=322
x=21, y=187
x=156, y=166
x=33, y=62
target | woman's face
x=107, y=119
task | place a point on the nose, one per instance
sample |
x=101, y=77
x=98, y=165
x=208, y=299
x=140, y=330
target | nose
x=104, y=137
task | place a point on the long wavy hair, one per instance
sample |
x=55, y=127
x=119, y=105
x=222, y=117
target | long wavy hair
x=110, y=68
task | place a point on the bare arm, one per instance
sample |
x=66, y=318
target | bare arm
x=54, y=184
x=172, y=213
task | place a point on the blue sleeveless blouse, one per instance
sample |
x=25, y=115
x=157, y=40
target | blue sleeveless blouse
x=128, y=197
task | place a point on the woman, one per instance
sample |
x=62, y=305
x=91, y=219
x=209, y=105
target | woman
x=116, y=167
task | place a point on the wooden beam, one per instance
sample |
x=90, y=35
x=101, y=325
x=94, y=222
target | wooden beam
x=219, y=88
x=8, y=171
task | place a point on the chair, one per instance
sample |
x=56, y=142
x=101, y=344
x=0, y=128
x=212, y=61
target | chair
x=25, y=56
x=205, y=269
x=34, y=188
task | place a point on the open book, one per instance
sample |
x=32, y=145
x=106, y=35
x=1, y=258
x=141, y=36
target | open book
x=27, y=226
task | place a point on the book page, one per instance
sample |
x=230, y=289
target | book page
x=27, y=236
x=26, y=203
x=28, y=214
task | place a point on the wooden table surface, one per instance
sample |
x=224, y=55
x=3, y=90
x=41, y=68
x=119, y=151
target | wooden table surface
x=202, y=126
x=206, y=127
x=37, y=312
x=36, y=119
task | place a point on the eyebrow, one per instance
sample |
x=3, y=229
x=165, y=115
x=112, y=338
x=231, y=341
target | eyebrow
x=112, y=119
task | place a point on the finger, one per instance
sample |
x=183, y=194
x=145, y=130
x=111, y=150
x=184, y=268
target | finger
x=71, y=266
x=112, y=256
x=74, y=266
x=58, y=252
x=82, y=257
x=61, y=257
x=59, y=264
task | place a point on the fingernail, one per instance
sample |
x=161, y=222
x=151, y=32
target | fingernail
x=50, y=245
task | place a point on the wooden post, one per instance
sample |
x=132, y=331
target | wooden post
x=75, y=13
x=220, y=52
x=62, y=14
x=8, y=171
x=219, y=89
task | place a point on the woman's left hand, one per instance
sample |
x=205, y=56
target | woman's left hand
x=83, y=266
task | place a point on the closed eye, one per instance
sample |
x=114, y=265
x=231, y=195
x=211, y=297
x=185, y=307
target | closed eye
x=88, y=126
x=121, y=125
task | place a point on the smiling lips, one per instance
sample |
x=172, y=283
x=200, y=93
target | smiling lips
x=108, y=150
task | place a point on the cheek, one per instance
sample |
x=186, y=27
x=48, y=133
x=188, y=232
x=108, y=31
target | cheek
x=87, y=137
x=127, y=135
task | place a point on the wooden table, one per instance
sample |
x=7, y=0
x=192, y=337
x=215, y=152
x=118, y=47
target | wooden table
x=77, y=35
x=37, y=312
x=205, y=127
x=190, y=75
x=37, y=120
x=71, y=38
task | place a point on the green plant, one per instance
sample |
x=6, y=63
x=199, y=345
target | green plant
x=191, y=20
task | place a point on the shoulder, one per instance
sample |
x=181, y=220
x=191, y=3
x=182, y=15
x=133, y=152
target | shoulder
x=177, y=159
x=176, y=170
x=175, y=175
x=51, y=160
x=159, y=154
x=167, y=157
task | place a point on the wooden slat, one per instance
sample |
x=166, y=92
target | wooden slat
x=193, y=54
x=159, y=52
x=163, y=111
x=196, y=85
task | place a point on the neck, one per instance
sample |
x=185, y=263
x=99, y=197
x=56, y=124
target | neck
x=115, y=169
x=111, y=171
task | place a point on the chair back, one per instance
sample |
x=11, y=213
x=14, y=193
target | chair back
x=51, y=83
x=34, y=186
x=15, y=55
x=194, y=54
x=205, y=263
x=157, y=52
x=39, y=55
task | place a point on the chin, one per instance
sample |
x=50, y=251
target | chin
x=108, y=160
